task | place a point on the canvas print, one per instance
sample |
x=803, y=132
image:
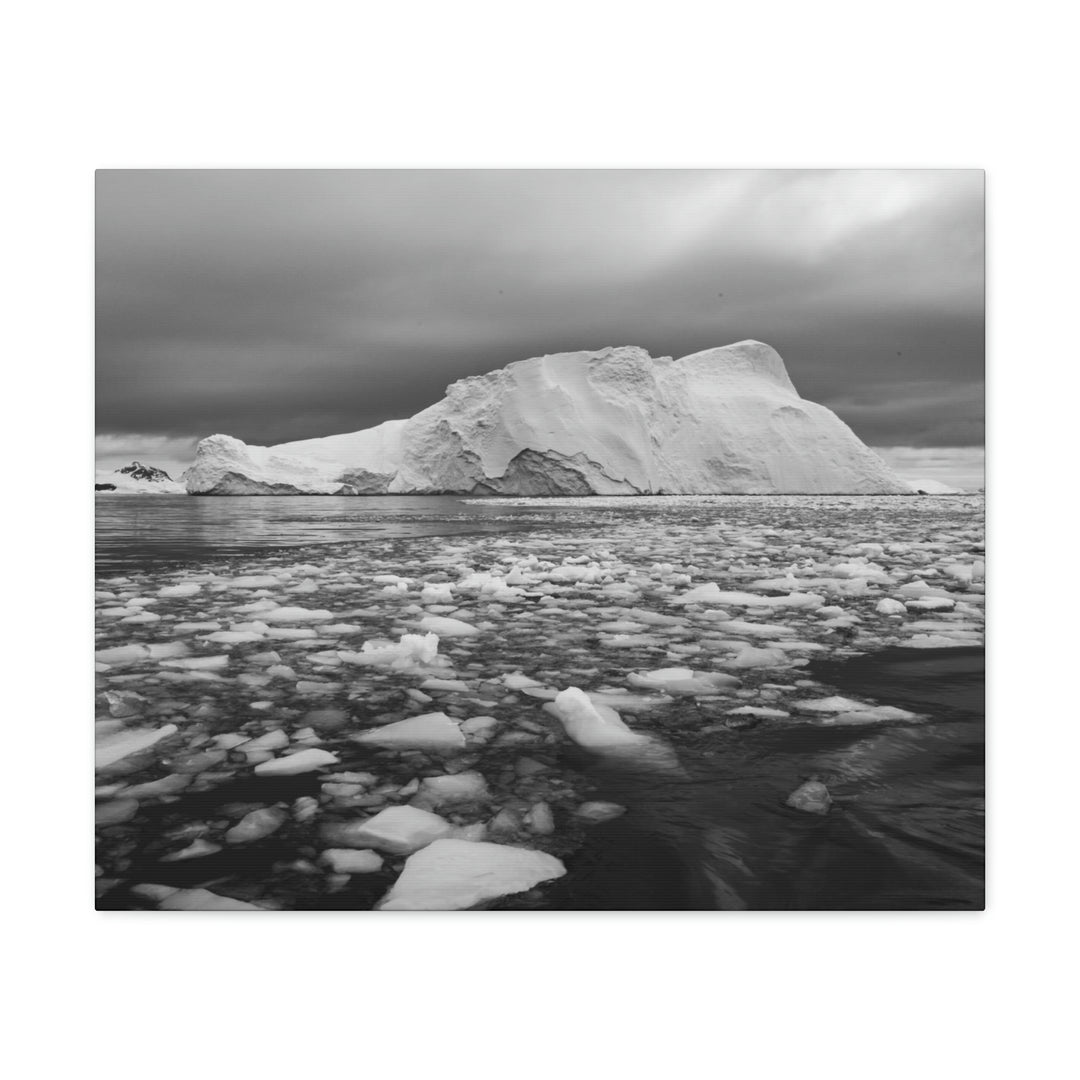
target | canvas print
x=539, y=540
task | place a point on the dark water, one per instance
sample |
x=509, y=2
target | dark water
x=141, y=532
x=906, y=830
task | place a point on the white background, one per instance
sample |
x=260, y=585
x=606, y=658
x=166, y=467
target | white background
x=512, y=995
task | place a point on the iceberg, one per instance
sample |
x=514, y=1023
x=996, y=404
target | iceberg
x=612, y=422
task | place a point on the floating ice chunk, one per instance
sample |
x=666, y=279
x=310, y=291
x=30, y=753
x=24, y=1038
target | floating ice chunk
x=590, y=725
x=127, y=741
x=256, y=606
x=431, y=731
x=306, y=686
x=198, y=663
x=272, y=740
x=167, y=785
x=348, y=861
x=444, y=684
x=935, y=641
x=867, y=715
x=652, y=618
x=707, y=594
x=266, y=658
x=197, y=849
x=412, y=651
x=890, y=607
x=629, y=641
x=918, y=589
x=115, y=812
x=446, y=627
x=540, y=819
x=453, y=875
x=123, y=654
x=304, y=761
x=232, y=637
x=256, y=825
x=595, y=813
x=681, y=681
x=812, y=798
x=758, y=710
x=840, y=710
x=835, y=704
x=479, y=727
x=194, y=627
x=398, y=830
x=437, y=593
x=626, y=699
x=930, y=603
x=254, y=582
x=170, y=899
x=142, y=617
x=754, y=658
x=185, y=588
x=436, y=792
x=741, y=629
x=290, y=633
x=543, y=693
x=295, y=615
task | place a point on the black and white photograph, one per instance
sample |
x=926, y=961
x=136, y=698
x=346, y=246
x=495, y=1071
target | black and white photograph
x=539, y=540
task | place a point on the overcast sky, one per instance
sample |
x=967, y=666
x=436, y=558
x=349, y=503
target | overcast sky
x=284, y=305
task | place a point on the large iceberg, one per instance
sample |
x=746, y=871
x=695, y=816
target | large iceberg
x=613, y=422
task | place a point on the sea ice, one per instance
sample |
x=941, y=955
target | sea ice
x=445, y=627
x=812, y=798
x=398, y=830
x=436, y=792
x=453, y=875
x=256, y=825
x=412, y=651
x=431, y=731
x=296, y=615
x=127, y=741
x=302, y=762
x=591, y=726
x=186, y=588
x=681, y=681
x=348, y=861
x=754, y=658
x=890, y=607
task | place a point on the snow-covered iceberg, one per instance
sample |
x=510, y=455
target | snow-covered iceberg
x=613, y=422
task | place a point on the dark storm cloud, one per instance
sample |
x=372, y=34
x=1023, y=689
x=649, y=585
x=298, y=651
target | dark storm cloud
x=284, y=305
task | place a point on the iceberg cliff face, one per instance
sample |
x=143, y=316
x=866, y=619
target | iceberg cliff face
x=613, y=422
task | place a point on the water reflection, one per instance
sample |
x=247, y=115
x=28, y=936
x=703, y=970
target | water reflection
x=139, y=532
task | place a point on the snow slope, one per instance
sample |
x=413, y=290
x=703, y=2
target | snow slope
x=612, y=422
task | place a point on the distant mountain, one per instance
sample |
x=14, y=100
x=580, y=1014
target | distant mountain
x=613, y=422
x=138, y=479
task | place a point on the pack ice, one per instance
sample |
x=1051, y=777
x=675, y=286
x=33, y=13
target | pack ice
x=614, y=422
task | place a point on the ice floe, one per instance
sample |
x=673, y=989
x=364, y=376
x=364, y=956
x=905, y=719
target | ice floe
x=453, y=875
